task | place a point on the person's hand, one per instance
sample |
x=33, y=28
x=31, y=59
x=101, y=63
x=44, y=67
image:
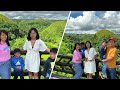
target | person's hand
x=86, y=59
x=21, y=49
x=103, y=60
x=93, y=58
x=79, y=60
x=18, y=67
x=90, y=60
x=82, y=59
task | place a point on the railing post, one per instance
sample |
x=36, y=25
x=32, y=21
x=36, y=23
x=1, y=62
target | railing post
x=97, y=69
x=39, y=73
x=40, y=55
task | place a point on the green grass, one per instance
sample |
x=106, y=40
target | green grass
x=25, y=77
x=45, y=57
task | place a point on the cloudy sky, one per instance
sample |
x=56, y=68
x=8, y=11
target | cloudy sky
x=89, y=22
x=56, y=15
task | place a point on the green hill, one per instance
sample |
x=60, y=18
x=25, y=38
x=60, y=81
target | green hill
x=106, y=34
x=4, y=19
x=50, y=31
x=53, y=33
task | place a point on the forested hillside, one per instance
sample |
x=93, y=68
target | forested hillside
x=50, y=31
x=70, y=39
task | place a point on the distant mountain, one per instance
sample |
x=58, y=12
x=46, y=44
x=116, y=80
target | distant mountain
x=106, y=34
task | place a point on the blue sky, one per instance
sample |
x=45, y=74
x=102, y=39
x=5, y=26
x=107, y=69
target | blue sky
x=55, y=15
x=90, y=22
x=75, y=14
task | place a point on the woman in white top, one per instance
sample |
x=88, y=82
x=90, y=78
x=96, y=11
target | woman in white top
x=33, y=45
x=90, y=65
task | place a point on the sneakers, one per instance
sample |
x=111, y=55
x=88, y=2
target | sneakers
x=103, y=76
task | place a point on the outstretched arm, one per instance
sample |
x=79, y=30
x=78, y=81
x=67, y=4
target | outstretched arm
x=113, y=54
x=106, y=60
x=48, y=50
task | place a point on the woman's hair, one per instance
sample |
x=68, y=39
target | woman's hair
x=5, y=32
x=75, y=46
x=33, y=29
x=89, y=43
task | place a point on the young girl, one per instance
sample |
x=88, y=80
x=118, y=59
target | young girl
x=5, y=67
x=33, y=45
x=77, y=60
x=90, y=66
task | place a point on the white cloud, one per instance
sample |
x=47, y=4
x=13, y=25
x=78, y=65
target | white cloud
x=91, y=23
x=18, y=17
x=83, y=32
x=56, y=15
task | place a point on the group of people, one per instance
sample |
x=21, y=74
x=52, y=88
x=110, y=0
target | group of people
x=84, y=56
x=32, y=45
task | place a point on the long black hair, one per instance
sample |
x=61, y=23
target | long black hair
x=6, y=33
x=75, y=46
x=89, y=43
x=33, y=29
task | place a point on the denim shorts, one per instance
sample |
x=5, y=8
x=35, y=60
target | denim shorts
x=5, y=70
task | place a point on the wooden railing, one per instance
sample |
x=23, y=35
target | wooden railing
x=68, y=63
x=65, y=66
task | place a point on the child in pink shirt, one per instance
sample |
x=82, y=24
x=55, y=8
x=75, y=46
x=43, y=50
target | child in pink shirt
x=77, y=60
x=5, y=67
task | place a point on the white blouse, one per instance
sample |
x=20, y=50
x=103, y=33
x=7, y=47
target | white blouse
x=32, y=60
x=91, y=54
x=90, y=66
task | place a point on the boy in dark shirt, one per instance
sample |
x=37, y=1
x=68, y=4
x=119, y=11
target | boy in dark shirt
x=102, y=52
x=17, y=63
x=83, y=53
x=47, y=65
